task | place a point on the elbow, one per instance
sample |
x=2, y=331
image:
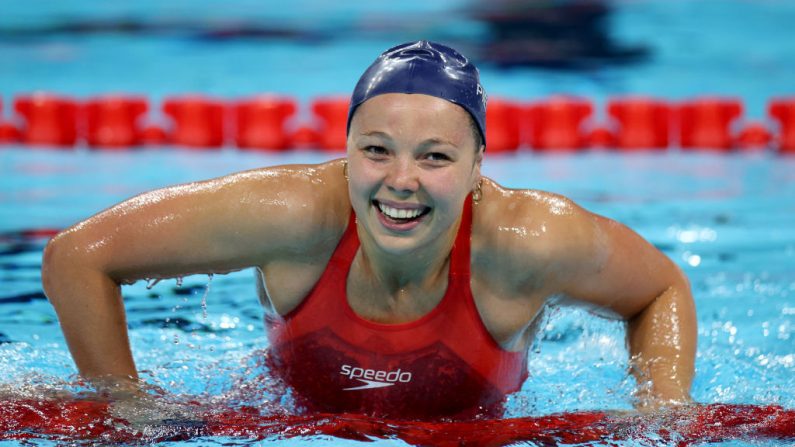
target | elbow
x=673, y=297
x=65, y=261
x=675, y=283
x=680, y=278
x=682, y=291
x=53, y=258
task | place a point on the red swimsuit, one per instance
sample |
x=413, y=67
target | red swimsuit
x=444, y=364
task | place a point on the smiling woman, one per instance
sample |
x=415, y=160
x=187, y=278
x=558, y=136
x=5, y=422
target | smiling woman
x=411, y=154
x=399, y=281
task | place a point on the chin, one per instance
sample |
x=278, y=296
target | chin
x=395, y=241
x=399, y=245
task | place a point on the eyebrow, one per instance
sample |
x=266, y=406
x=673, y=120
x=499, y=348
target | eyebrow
x=428, y=142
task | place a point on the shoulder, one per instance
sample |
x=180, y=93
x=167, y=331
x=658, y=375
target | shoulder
x=526, y=218
x=307, y=202
x=532, y=243
x=526, y=235
x=219, y=225
x=289, y=188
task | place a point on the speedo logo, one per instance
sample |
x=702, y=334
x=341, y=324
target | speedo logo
x=374, y=378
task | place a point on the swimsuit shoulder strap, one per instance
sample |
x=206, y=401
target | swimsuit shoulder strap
x=332, y=280
x=461, y=254
x=347, y=246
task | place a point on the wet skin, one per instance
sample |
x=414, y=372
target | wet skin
x=412, y=162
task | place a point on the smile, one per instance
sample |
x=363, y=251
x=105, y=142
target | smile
x=402, y=214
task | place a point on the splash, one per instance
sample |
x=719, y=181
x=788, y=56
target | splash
x=99, y=420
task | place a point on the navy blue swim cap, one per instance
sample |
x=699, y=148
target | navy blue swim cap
x=427, y=68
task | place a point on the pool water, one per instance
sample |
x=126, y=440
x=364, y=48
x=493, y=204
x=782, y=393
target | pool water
x=727, y=219
x=729, y=47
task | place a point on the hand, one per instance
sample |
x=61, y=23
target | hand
x=144, y=407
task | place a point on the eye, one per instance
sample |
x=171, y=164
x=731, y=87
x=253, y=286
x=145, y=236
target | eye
x=437, y=156
x=375, y=150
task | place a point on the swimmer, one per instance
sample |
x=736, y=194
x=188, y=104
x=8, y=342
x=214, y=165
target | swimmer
x=397, y=281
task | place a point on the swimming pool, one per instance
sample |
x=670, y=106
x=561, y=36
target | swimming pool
x=727, y=219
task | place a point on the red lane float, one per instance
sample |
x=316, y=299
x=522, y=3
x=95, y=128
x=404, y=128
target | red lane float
x=198, y=121
x=600, y=137
x=50, y=120
x=260, y=122
x=305, y=137
x=643, y=123
x=75, y=420
x=753, y=136
x=39, y=233
x=557, y=123
x=332, y=114
x=8, y=132
x=153, y=135
x=783, y=111
x=705, y=123
x=502, y=126
x=112, y=121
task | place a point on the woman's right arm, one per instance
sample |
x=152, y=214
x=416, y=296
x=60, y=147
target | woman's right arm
x=217, y=226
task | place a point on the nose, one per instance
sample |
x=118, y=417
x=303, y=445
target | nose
x=403, y=177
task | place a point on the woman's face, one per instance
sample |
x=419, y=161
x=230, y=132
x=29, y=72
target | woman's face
x=412, y=161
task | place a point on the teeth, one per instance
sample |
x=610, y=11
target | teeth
x=395, y=213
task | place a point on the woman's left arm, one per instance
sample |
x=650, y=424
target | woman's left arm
x=606, y=264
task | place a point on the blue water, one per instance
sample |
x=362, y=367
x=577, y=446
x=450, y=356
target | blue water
x=733, y=47
x=727, y=220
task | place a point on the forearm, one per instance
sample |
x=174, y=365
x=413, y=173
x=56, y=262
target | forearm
x=91, y=313
x=662, y=343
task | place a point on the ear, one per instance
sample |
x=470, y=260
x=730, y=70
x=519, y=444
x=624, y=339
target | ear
x=476, y=166
x=479, y=155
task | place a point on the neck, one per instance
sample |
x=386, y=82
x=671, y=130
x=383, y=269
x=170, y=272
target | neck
x=418, y=268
